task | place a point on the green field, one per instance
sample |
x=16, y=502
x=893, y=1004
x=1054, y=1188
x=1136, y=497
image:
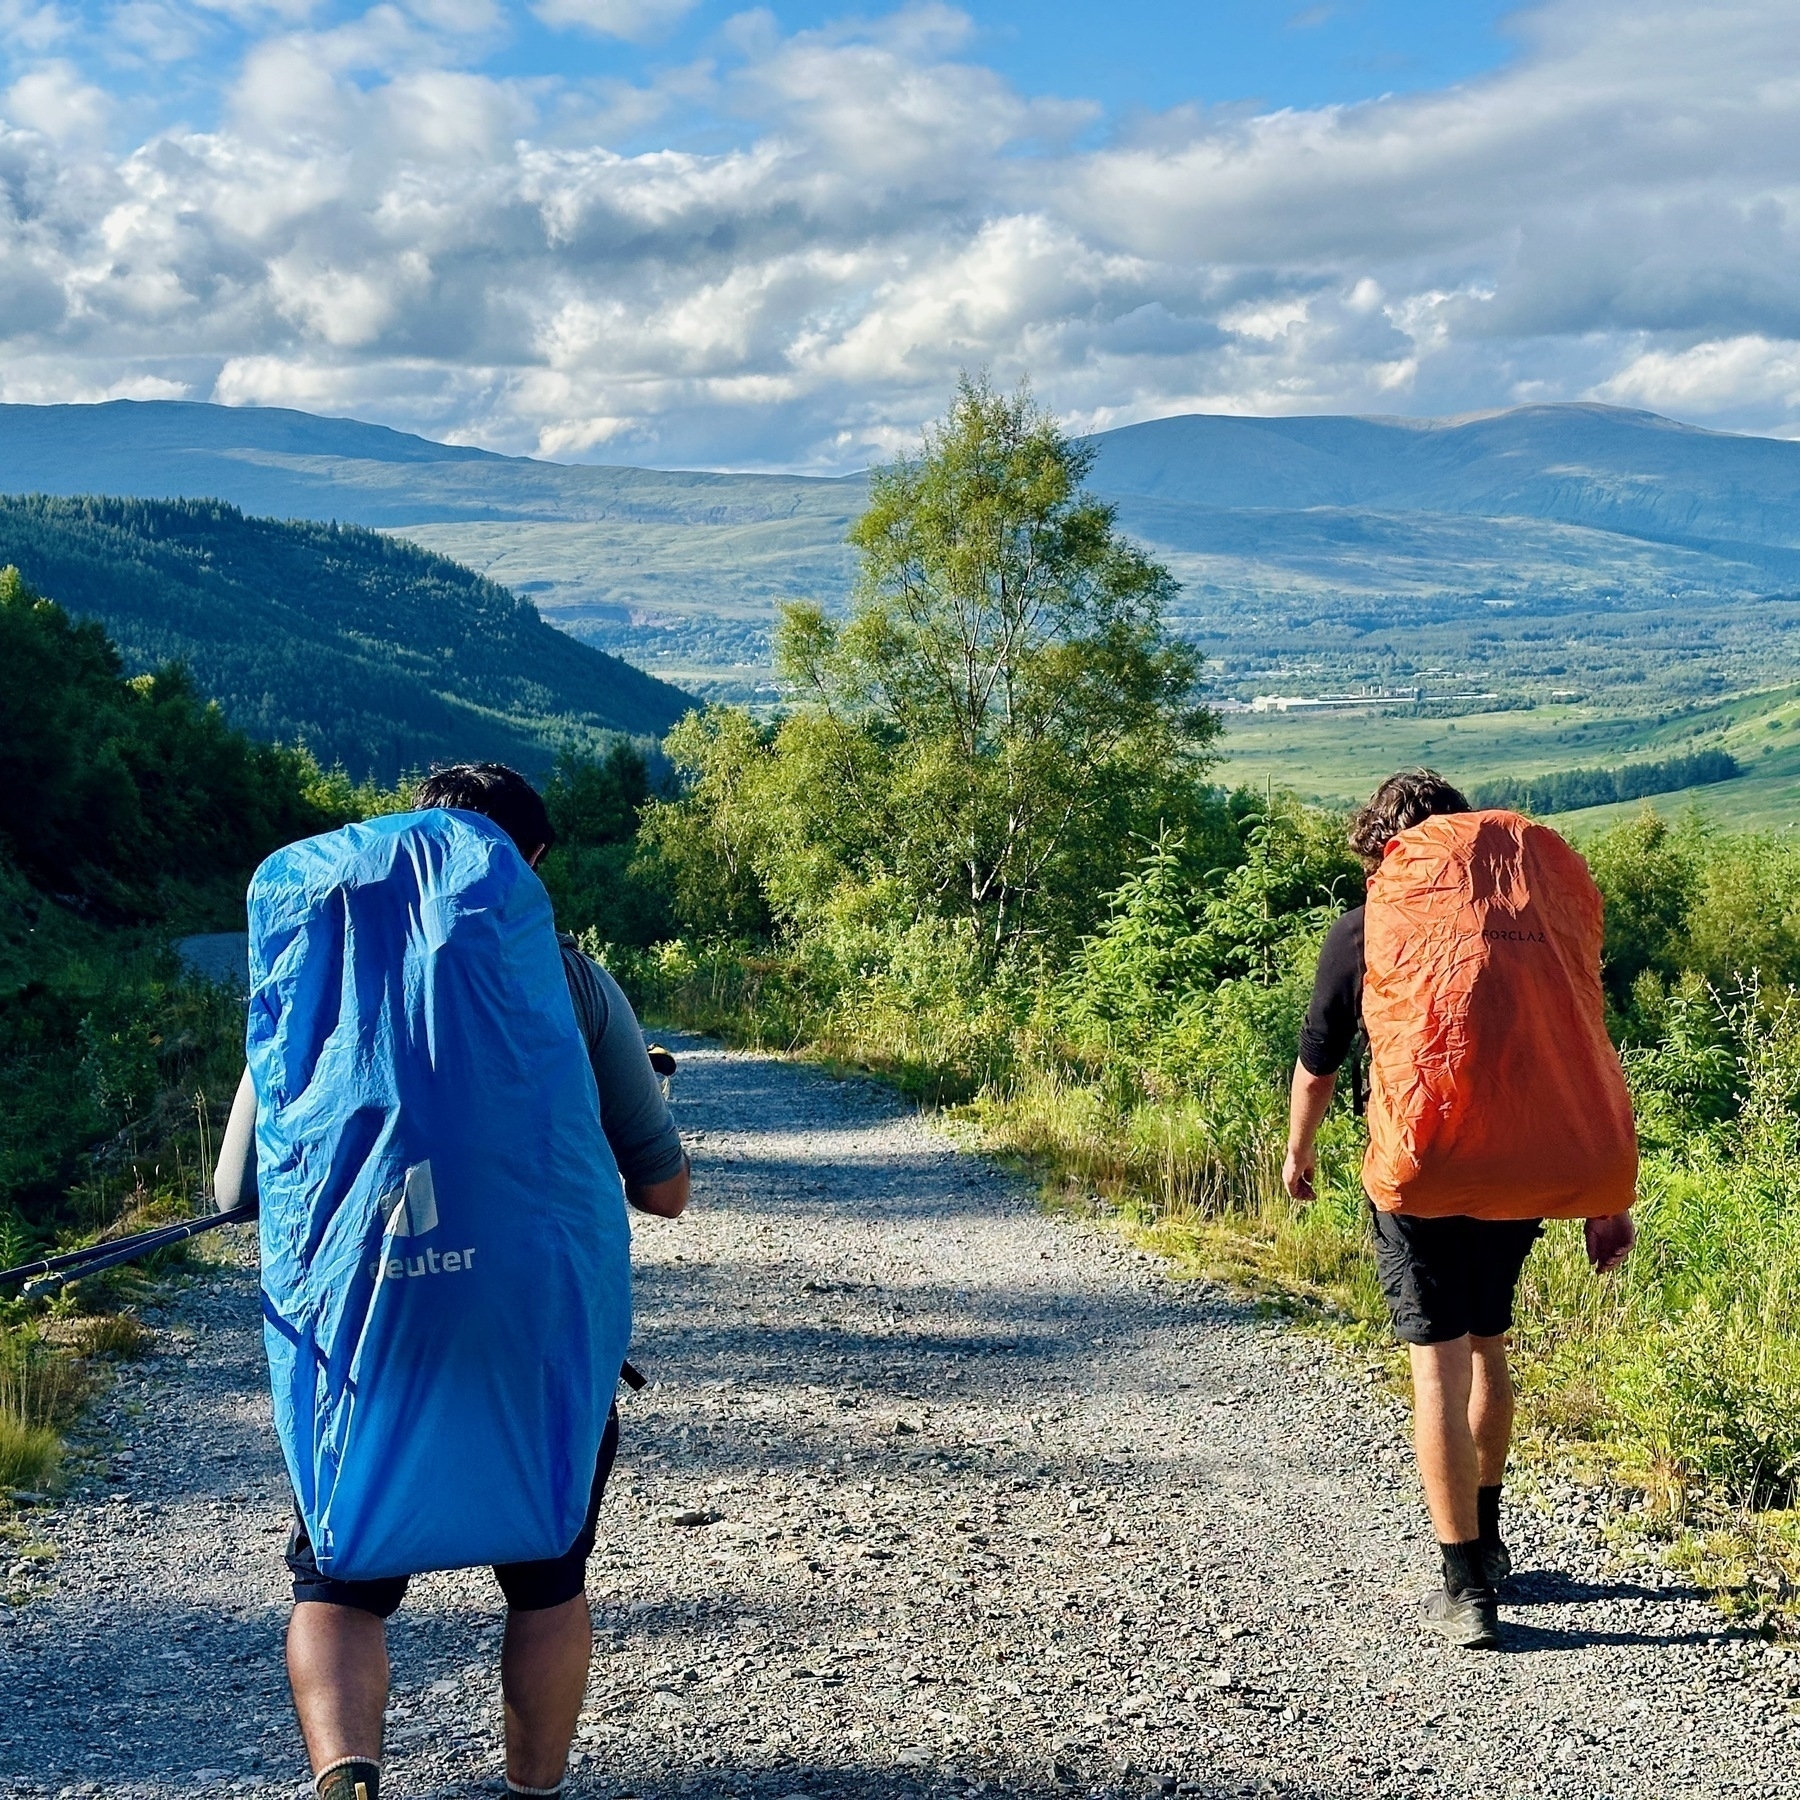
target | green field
x=1340, y=757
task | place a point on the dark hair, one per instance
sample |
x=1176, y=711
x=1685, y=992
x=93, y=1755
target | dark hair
x=497, y=793
x=1403, y=800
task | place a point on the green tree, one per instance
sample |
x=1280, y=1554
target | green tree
x=117, y=789
x=1746, y=919
x=713, y=842
x=1649, y=877
x=598, y=877
x=1004, y=717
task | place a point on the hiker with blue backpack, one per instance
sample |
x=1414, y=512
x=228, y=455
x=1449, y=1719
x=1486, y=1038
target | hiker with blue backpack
x=445, y=1113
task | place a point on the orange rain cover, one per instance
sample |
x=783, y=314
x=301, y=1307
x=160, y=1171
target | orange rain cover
x=1494, y=1089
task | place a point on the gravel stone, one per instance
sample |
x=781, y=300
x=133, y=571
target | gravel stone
x=929, y=1495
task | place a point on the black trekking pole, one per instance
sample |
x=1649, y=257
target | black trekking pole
x=52, y=1272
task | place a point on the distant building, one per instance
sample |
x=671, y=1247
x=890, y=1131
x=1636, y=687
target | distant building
x=1335, y=702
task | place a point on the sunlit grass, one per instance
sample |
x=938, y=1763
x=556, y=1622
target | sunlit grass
x=40, y=1390
x=29, y=1454
x=112, y=1337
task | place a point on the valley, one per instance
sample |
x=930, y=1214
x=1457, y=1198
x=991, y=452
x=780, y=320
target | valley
x=1338, y=757
x=1618, y=583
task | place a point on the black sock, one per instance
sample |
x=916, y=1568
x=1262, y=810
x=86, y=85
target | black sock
x=1487, y=1514
x=351, y=1779
x=1462, y=1568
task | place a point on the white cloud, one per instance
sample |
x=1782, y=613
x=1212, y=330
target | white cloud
x=158, y=32
x=252, y=13
x=56, y=102
x=636, y=21
x=378, y=226
x=462, y=18
x=1718, y=376
x=33, y=28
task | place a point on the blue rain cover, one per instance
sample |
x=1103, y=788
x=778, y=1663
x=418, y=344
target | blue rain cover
x=446, y=1259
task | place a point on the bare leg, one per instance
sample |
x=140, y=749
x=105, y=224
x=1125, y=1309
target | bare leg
x=338, y=1667
x=1491, y=1407
x=1448, y=1464
x=543, y=1676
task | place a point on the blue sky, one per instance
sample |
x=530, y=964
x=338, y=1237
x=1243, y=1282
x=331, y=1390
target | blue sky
x=168, y=60
x=1134, y=55
x=680, y=231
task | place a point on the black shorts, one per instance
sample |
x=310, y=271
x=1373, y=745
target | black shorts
x=1450, y=1278
x=528, y=1586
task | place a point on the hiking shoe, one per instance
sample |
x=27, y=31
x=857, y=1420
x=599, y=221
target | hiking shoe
x=1471, y=1621
x=1496, y=1564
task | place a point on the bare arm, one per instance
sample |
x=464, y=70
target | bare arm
x=234, y=1182
x=667, y=1199
x=1308, y=1100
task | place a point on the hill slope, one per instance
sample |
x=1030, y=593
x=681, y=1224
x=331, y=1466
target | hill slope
x=1549, y=546
x=295, y=465
x=370, y=650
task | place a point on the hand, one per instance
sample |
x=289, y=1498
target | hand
x=1297, y=1172
x=1609, y=1241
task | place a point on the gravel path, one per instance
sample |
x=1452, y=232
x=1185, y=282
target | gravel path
x=991, y=1506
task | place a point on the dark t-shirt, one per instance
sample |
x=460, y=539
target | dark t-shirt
x=1335, y=1015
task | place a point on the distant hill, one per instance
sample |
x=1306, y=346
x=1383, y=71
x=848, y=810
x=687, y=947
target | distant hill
x=1577, y=549
x=1597, y=467
x=1571, y=546
x=372, y=651
x=286, y=464
x=678, y=571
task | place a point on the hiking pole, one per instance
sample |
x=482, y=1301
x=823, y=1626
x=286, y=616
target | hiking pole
x=53, y=1272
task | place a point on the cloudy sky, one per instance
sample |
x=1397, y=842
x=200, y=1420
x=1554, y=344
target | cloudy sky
x=680, y=232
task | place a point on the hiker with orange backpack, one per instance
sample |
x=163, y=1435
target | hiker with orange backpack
x=1495, y=1102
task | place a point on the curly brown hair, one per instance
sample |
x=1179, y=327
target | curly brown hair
x=1403, y=800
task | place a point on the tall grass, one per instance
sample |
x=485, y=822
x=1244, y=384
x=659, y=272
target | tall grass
x=39, y=1392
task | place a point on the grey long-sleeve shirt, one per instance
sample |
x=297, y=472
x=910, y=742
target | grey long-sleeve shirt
x=633, y=1113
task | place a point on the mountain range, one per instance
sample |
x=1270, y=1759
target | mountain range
x=1549, y=547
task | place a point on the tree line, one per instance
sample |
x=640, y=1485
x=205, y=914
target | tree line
x=1569, y=790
